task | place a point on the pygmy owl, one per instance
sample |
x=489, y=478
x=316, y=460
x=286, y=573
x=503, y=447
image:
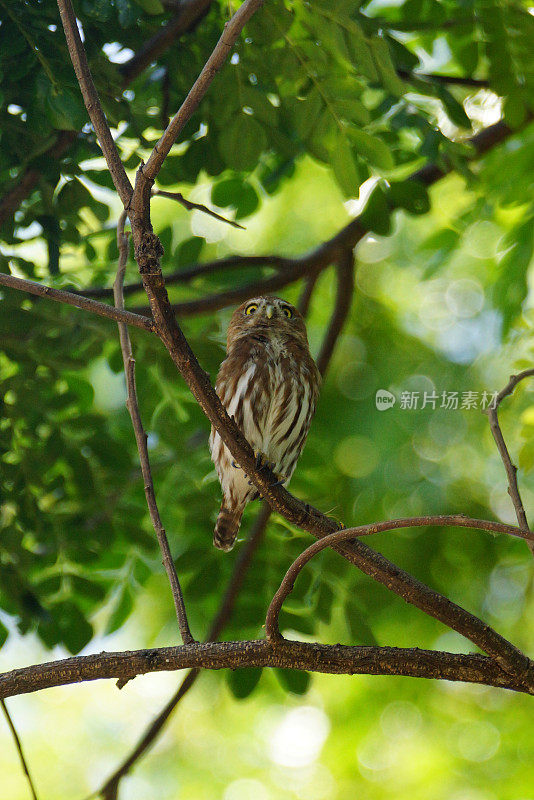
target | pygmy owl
x=269, y=383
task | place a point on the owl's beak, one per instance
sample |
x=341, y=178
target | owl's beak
x=269, y=310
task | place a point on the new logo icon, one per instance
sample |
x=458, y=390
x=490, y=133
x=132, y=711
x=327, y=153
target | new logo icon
x=384, y=400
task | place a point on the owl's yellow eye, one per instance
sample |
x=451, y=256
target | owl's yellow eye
x=286, y=311
x=250, y=309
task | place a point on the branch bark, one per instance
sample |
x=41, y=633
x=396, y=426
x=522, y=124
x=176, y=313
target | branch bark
x=332, y=659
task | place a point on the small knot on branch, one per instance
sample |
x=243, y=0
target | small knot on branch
x=148, y=253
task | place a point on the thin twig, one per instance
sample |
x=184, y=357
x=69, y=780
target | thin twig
x=456, y=520
x=190, y=206
x=511, y=469
x=18, y=745
x=77, y=300
x=141, y=439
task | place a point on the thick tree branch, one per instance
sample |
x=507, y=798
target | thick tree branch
x=332, y=659
x=71, y=299
x=456, y=520
x=140, y=437
x=511, y=469
x=20, y=751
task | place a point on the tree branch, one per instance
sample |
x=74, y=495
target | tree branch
x=79, y=301
x=457, y=520
x=189, y=14
x=141, y=439
x=511, y=469
x=332, y=659
x=20, y=751
x=92, y=101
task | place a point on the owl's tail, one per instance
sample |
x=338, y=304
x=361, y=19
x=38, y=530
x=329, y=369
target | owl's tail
x=227, y=526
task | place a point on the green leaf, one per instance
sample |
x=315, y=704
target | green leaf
x=242, y=682
x=371, y=148
x=242, y=142
x=270, y=23
x=75, y=631
x=151, y=6
x=237, y=194
x=345, y=167
x=386, y=68
x=410, y=195
x=510, y=289
x=454, y=109
x=188, y=252
x=3, y=634
x=65, y=110
x=293, y=680
x=122, y=610
x=375, y=216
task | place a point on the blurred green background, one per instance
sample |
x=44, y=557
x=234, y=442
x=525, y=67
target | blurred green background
x=442, y=304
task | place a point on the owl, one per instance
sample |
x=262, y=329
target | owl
x=269, y=383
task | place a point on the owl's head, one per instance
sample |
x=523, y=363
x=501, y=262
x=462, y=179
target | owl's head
x=266, y=318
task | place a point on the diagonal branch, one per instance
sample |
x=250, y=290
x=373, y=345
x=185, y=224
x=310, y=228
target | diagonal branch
x=457, y=520
x=511, y=469
x=141, y=439
x=20, y=751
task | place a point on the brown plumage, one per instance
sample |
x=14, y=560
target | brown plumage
x=269, y=383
